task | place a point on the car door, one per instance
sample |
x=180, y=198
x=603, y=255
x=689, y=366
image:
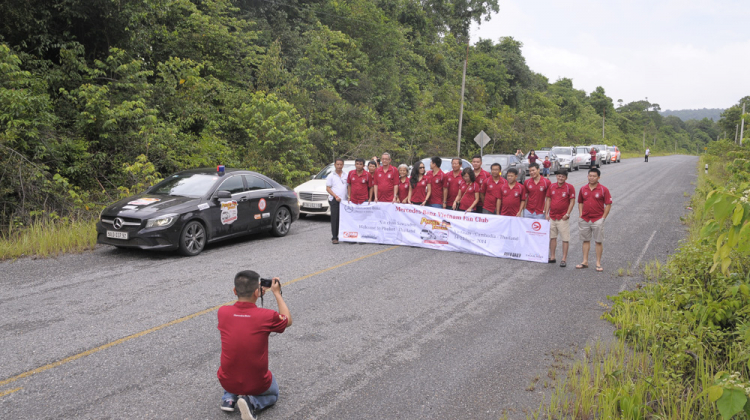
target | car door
x=235, y=214
x=263, y=201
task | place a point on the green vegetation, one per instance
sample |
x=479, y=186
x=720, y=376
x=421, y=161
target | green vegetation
x=49, y=239
x=713, y=114
x=87, y=87
x=683, y=340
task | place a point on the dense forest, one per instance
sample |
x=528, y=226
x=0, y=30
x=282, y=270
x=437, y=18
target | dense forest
x=713, y=114
x=93, y=93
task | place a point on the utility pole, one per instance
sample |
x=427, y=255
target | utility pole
x=742, y=130
x=461, y=113
x=603, y=117
x=736, y=130
x=644, y=138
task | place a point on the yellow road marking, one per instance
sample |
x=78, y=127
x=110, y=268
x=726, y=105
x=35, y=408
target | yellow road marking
x=157, y=328
x=10, y=391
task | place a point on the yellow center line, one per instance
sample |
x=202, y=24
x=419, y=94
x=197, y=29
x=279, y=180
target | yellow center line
x=157, y=328
x=10, y=391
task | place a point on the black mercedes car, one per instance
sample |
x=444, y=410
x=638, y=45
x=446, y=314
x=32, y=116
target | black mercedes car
x=189, y=209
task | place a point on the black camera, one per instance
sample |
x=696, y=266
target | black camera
x=266, y=282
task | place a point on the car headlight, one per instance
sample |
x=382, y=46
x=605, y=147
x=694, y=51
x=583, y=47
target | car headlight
x=162, y=221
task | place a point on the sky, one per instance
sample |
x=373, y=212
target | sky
x=684, y=54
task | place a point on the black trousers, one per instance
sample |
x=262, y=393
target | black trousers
x=646, y=158
x=335, y=208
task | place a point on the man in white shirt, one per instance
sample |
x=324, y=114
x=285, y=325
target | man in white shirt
x=337, y=191
x=648, y=152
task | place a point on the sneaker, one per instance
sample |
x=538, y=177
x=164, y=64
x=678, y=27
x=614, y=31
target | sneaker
x=245, y=410
x=227, y=405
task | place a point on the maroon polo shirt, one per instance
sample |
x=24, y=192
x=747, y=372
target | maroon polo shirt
x=453, y=184
x=536, y=193
x=547, y=163
x=244, y=347
x=593, y=157
x=419, y=191
x=559, y=199
x=480, y=180
x=492, y=191
x=468, y=198
x=403, y=190
x=386, y=180
x=436, y=182
x=360, y=185
x=594, y=202
x=511, y=199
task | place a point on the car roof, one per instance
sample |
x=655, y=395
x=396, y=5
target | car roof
x=227, y=171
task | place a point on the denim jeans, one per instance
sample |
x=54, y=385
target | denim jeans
x=437, y=206
x=527, y=214
x=258, y=402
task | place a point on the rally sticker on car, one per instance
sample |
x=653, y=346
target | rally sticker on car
x=144, y=201
x=262, y=204
x=228, y=212
x=266, y=215
x=257, y=217
x=203, y=206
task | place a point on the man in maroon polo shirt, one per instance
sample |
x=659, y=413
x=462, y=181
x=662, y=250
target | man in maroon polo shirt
x=594, y=203
x=358, y=183
x=536, y=193
x=435, y=179
x=513, y=197
x=452, y=183
x=493, y=190
x=480, y=176
x=592, y=151
x=386, y=181
x=559, y=204
x=244, y=346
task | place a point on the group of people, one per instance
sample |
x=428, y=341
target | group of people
x=476, y=190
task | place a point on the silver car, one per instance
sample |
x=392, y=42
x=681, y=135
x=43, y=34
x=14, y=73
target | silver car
x=567, y=158
x=605, y=156
x=312, y=195
x=541, y=154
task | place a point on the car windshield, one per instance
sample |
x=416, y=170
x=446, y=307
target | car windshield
x=582, y=150
x=561, y=151
x=600, y=147
x=186, y=185
x=330, y=168
x=445, y=165
x=487, y=162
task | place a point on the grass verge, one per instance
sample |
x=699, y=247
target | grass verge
x=49, y=238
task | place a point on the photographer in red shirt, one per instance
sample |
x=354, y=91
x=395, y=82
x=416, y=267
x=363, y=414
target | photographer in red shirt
x=244, y=346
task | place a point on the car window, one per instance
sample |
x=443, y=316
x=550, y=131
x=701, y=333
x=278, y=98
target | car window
x=186, y=185
x=582, y=150
x=561, y=151
x=330, y=168
x=255, y=183
x=234, y=185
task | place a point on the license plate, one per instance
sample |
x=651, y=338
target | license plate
x=117, y=235
x=313, y=205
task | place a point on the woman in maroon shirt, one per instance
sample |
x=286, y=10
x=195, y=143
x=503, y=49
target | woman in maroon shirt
x=468, y=196
x=532, y=157
x=403, y=184
x=418, y=185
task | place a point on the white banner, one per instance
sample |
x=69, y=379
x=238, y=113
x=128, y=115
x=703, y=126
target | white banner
x=445, y=230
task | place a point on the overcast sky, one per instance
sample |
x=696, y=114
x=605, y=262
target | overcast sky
x=680, y=54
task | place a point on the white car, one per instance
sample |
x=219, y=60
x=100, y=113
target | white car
x=605, y=156
x=568, y=158
x=312, y=195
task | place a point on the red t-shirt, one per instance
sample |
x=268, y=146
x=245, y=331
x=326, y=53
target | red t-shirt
x=419, y=192
x=533, y=158
x=559, y=199
x=594, y=202
x=536, y=193
x=468, y=198
x=547, y=163
x=360, y=185
x=492, y=191
x=403, y=190
x=244, y=347
x=511, y=199
x=436, y=186
x=480, y=180
x=386, y=180
x=593, y=157
x=453, y=183
x=372, y=179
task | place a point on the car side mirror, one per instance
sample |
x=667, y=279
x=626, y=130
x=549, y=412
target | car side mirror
x=312, y=177
x=223, y=194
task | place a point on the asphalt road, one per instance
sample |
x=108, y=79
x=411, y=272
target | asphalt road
x=379, y=331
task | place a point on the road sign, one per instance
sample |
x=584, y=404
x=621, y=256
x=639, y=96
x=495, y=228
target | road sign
x=482, y=139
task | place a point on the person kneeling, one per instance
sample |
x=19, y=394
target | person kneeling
x=244, y=329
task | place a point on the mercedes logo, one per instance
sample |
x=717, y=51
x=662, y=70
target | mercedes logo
x=118, y=223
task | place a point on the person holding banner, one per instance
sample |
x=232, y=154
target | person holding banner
x=337, y=188
x=453, y=181
x=480, y=176
x=418, y=186
x=536, y=192
x=386, y=181
x=468, y=195
x=594, y=203
x=435, y=184
x=557, y=208
x=493, y=189
x=513, y=196
x=403, y=184
x=358, y=183
x=372, y=166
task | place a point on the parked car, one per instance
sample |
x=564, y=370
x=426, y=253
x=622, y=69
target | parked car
x=585, y=151
x=614, y=154
x=312, y=195
x=506, y=162
x=568, y=158
x=605, y=156
x=445, y=165
x=192, y=208
x=541, y=154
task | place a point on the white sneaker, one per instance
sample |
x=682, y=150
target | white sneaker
x=245, y=410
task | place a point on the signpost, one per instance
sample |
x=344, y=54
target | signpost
x=482, y=139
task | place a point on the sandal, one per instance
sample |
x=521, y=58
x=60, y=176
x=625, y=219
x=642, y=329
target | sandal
x=552, y=261
x=579, y=266
x=563, y=264
x=599, y=268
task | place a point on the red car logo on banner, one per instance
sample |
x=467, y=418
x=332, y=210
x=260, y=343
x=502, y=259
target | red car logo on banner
x=350, y=234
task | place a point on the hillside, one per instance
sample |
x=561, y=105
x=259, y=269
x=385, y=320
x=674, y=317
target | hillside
x=694, y=114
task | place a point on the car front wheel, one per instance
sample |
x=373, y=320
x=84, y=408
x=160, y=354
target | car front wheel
x=192, y=239
x=282, y=221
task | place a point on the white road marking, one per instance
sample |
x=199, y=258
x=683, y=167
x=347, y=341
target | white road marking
x=638, y=261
